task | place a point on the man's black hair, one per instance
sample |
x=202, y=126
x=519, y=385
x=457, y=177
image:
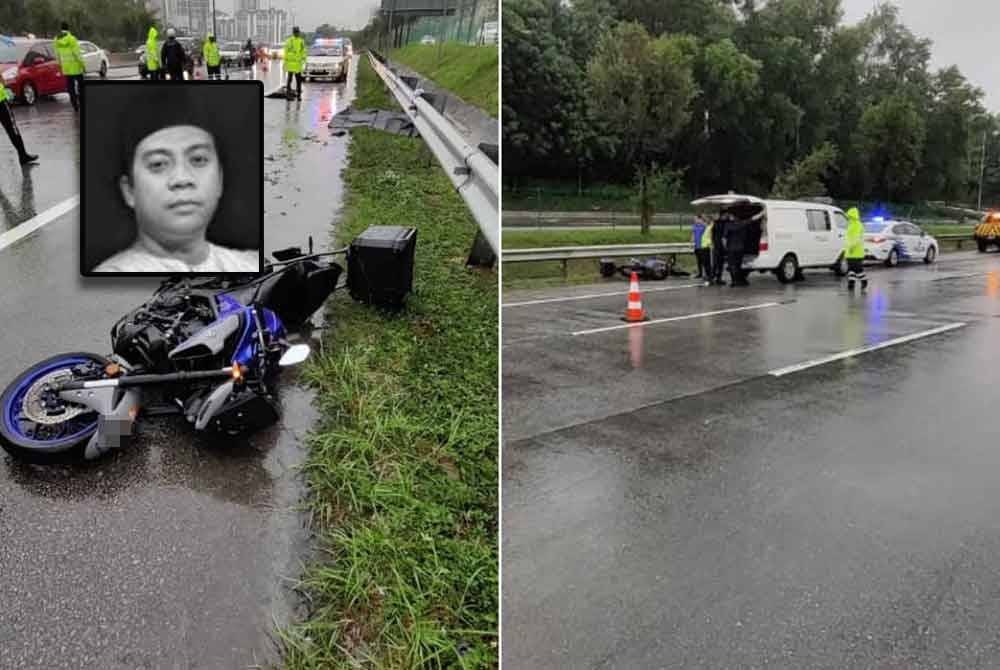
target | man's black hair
x=160, y=107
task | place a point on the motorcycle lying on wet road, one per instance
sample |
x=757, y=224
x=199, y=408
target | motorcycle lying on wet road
x=208, y=348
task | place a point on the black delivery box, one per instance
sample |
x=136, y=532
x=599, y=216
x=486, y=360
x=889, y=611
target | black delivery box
x=380, y=265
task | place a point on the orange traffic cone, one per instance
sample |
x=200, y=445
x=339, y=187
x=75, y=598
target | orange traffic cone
x=634, y=312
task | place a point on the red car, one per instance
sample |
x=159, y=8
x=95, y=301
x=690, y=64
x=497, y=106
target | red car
x=30, y=69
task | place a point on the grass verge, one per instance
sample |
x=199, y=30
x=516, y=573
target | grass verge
x=402, y=469
x=470, y=72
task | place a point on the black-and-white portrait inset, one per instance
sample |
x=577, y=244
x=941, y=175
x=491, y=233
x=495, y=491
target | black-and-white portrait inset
x=172, y=178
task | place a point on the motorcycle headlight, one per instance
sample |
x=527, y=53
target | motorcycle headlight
x=10, y=74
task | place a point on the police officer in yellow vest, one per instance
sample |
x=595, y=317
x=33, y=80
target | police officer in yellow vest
x=295, y=60
x=212, y=58
x=10, y=125
x=71, y=62
x=705, y=249
x=854, y=250
x=153, y=55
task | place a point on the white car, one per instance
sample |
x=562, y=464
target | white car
x=230, y=53
x=890, y=241
x=326, y=62
x=428, y=39
x=95, y=59
x=785, y=236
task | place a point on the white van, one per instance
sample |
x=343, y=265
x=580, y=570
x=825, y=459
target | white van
x=785, y=236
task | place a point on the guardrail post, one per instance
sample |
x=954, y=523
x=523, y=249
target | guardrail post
x=565, y=269
x=481, y=254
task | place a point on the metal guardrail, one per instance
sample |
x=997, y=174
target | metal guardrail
x=476, y=177
x=958, y=238
x=603, y=251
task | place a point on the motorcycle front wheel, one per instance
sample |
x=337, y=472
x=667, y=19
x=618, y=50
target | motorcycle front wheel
x=38, y=426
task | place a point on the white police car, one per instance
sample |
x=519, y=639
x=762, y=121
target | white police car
x=890, y=241
x=326, y=60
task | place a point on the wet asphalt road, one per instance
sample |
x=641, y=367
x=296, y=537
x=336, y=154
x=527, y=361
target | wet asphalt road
x=668, y=503
x=179, y=552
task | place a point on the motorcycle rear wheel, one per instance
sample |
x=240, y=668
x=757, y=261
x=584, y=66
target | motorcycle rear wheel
x=30, y=440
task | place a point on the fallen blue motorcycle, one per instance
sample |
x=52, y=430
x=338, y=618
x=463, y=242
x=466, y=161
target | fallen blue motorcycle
x=208, y=348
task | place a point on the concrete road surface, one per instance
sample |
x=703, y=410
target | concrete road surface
x=181, y=551
x=736, y=484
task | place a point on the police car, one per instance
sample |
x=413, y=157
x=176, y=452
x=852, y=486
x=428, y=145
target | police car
x=325, y=59
x=890, y=241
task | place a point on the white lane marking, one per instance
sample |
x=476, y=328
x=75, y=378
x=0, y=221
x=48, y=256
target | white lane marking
x=781, y=372
x=677, y=318
x=31, y=225
x=594, y=295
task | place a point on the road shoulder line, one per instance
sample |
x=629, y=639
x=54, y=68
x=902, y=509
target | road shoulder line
x=26, y=228
x=671, y=319
x=851, y=353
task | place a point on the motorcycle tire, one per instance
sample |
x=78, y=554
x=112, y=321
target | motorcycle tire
x=18, y=434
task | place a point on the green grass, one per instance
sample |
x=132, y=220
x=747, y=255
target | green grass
x=524, y=239
x=403, y=467
x=370, y=92
x=945, y=229
x=470, y=72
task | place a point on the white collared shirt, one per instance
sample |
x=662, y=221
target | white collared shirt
x=219, y=259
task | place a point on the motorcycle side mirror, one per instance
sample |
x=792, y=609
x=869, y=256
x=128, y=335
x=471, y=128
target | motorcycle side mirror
x=295, y=355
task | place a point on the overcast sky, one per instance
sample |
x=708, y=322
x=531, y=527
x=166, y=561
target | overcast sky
x=351, y=14
x=966, y=33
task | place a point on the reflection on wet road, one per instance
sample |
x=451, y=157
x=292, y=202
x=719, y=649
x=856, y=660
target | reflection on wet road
x=180, y=551
x=669, y=502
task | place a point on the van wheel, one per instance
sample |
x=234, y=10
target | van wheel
x=892, y=260
x=788, y=269
x=982, y=246
x=931, y=255
x=840, y=267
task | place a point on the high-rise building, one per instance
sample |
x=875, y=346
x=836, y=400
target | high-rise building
x=263, y=25
x=225, y=24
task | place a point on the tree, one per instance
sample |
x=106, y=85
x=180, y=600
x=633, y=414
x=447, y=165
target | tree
x=712, y=19
x=806, y=177
x=729, y=83
x=643, y=88
x=326, y=30
x=547, y=119
x=891, y=138
x=953, y=104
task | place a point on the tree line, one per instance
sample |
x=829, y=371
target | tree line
x=113, y=24
x=704, y=96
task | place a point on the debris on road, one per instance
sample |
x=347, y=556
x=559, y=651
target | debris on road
x=397, y=123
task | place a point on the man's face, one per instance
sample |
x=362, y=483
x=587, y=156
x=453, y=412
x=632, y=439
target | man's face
x=175, y=185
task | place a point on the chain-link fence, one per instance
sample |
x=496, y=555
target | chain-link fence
x=463, y=21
